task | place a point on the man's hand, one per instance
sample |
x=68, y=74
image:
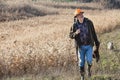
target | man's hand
x=77, y=31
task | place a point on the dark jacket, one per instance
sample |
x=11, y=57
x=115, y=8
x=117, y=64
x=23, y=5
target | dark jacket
x=93, y=36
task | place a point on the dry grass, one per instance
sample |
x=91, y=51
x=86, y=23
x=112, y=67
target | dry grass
x=40, y=44
x=70, y=5
x=31, y=53
x=105, y=20
x=16, y=10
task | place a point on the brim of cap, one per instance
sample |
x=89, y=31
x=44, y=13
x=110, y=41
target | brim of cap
x=77, y=14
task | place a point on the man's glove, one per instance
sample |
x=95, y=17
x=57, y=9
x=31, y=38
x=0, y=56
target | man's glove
x=96, y=55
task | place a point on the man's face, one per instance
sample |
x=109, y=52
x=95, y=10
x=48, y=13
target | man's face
x=80, y=16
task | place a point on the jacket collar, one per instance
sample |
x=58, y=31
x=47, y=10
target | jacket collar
x=83, y=21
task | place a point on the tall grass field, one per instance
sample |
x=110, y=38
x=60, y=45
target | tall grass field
x=35, y=43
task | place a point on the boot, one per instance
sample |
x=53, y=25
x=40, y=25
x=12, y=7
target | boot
x=82, y=72
x=89, y=70
x=82, y=77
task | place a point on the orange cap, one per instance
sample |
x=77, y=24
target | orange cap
x=78, y=11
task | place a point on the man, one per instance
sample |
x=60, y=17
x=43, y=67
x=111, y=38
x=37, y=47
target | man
x=85, y=36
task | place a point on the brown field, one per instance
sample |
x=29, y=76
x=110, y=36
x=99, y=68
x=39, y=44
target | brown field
x=38, y=42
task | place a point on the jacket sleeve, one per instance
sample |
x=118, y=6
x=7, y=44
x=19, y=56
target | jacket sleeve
x=72, y=32
x=97, y=43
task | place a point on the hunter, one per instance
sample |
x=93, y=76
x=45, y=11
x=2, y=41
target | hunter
x=83, y=32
